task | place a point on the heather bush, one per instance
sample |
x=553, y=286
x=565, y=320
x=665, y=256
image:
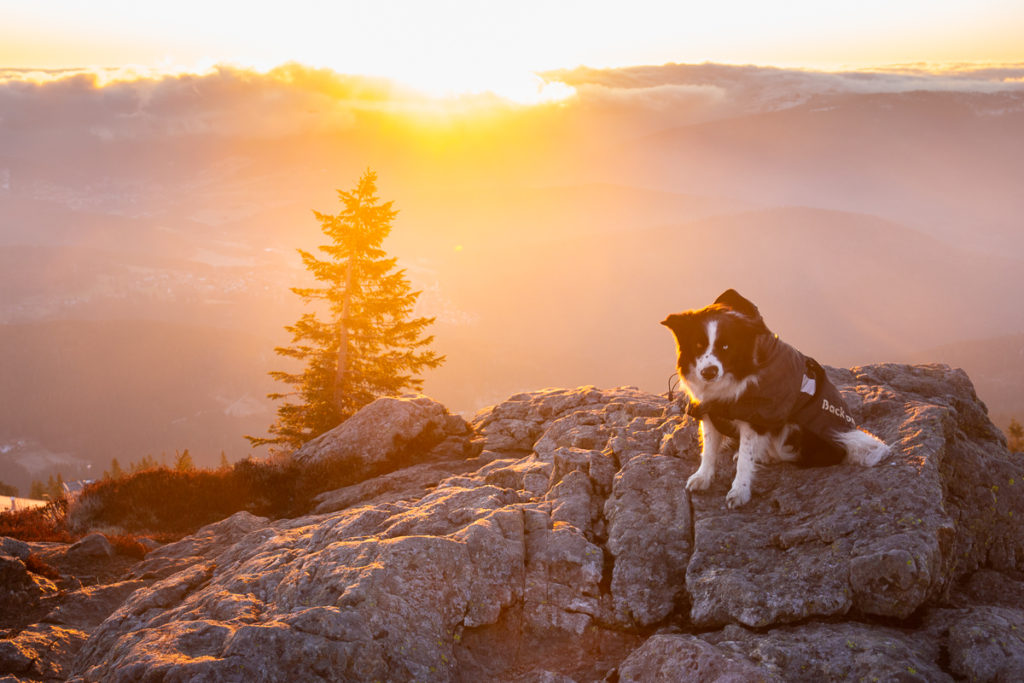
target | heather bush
x=159, y=499
x=127, y=545
x=46, y=523
x=171, y=503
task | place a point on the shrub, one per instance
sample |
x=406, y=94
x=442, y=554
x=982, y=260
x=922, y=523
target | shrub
x=160, y=499
x=128, y=545
x=46, y=523
x=172, y=503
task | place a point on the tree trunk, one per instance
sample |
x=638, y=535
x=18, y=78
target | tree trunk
x=341, y=371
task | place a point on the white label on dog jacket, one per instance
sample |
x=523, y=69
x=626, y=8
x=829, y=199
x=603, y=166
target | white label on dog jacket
x=808, y=385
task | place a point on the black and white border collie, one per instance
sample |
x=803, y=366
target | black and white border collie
x=745, y=383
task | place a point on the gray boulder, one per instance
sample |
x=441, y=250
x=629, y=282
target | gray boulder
x=849, y=651
x=20, y=589
x=14, y=548
x=650, y=535
x=91, y=546
x=388, y=428
x=669, y=658
x=983, y=643
x=41, y=652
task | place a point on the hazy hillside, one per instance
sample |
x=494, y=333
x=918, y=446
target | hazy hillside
x=995, y=365
x=845, y=288
x=99, y=390
x=945, y=163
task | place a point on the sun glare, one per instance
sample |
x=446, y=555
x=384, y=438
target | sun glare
x=522, y=88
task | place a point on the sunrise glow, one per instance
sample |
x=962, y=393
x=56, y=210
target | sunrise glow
x=447, y=48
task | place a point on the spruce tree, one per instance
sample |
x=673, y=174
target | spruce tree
x=183, y=461
x=370, y=344
x=115, y=470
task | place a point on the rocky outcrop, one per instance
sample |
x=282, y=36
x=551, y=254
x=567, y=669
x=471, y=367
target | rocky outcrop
x=388, y=428
x=569, y=549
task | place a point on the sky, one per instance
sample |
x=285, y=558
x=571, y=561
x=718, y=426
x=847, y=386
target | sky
x=445, y=47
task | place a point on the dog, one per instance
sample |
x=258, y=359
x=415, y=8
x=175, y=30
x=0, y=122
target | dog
x=745, y=383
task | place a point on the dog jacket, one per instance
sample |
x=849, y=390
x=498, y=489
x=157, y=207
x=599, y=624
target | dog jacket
x=791, y=389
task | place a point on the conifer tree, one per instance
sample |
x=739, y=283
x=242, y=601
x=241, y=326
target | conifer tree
x=115, y=470
x=183, y=461
x=370, y=344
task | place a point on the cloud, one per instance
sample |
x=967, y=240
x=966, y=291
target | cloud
x=730, y=90
x=45, y=113
x=229, y=101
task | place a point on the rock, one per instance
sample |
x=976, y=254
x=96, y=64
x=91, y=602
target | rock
x=989, y=587
x=650, y=536
x=883, y=540
x=835, y=652
x=983, y=643
x=515, y=425
x=558, y=553
x=43, y=651
x=382, y=431
x=15, y=659
x=208, y=542
x=669, y=658
x=87, y=607
x=296, y=603
x=14, y=548
x=404, y=484
x=20, y=589
x=90, y=547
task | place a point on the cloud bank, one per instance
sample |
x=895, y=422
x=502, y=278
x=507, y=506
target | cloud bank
x=293, y=99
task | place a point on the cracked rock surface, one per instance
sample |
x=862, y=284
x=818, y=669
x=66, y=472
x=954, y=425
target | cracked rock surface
x=569, y=550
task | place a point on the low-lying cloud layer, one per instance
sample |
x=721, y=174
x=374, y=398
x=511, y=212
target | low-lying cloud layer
x=124, y=103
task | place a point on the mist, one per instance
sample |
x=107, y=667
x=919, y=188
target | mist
x=872, y=217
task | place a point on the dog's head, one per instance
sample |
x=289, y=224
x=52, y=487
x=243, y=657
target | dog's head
x=718, y=343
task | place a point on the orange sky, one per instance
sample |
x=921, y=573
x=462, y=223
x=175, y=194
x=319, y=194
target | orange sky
x=448, y=46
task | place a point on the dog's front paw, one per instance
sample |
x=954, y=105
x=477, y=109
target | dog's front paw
x=737, y=498
x=698, y=481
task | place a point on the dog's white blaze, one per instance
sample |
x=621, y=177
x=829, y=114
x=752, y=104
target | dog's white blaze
x=708, y=358
x=724, y=387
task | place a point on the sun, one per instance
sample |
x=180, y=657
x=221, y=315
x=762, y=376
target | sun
x=443, y=76
x=512, y=85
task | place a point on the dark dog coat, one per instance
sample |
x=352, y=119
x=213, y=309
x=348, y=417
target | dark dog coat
x=791, y=388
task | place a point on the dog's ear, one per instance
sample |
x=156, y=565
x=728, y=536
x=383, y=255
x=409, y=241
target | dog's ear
x=733, y=300
x=673, y=322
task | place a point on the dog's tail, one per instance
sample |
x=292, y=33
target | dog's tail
x=863, y=448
